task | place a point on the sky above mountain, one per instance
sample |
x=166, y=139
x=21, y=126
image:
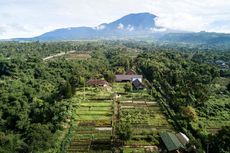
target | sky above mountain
x=27, y=18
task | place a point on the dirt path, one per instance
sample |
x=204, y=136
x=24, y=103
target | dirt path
x=58, y=55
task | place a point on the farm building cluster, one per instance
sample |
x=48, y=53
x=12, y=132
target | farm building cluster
x=151, y=130
x=129, y=76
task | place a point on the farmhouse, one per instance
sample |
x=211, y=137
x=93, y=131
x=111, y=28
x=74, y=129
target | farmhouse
x=129, y=76
x=97, y=82
x=126, y=78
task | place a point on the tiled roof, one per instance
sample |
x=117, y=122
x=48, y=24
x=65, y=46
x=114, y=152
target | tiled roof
x=130, y=72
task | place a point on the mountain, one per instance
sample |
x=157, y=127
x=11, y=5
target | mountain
x=129, y=25
x=134, y=26
x=68, y=34
x=132, y=22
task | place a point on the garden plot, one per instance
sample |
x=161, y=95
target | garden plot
x=146, y=119
x=94, y=93
x=96, y=117
x=94, y=124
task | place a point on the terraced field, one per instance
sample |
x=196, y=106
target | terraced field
x=94, y=131
x=98, y=114
x=146, y=119
x=93, y=122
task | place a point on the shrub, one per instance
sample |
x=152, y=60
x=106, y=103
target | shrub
x=128, y=87
x=123, y=131
x=109, y=76
x=228, y=86
x=39, y=138
x=189, y=113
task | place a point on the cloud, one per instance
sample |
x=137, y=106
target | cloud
x=35, y=17
x=182, y=21
x=120, y=26
x=192, y=15
x=12, y=28
x=18, y=27
x=219, y=26
x=100, y=27
x=2, y=30
x=130, y=28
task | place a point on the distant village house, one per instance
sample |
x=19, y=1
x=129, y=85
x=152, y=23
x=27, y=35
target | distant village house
x=222, y=64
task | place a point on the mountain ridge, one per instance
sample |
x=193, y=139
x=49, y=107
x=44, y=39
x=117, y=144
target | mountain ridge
x=129, y=26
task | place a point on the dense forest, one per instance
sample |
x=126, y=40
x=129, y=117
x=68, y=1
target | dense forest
x=192, y=83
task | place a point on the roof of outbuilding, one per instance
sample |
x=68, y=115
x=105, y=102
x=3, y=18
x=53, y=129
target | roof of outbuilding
x=183, y=138
x=137, y=84
x=130, y=72
x=171, y=141
x=127, y=77
x=97, y=82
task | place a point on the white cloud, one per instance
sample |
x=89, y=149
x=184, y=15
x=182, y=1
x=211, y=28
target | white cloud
x=39, y=16
x=191, y=15
x=219, y=26
x=120, y=26
x=182, y=21
x=130, y=28
x=100, y=27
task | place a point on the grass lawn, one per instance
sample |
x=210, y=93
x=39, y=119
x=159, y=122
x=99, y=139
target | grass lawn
x=101, y=104
x=94, y=113
x=118, y=87
x=93, y=117
x=95, y=108
x=93, y=93
x=134, y=150
x=139, y=143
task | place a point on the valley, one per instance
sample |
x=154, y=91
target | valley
x=112, y=96
x=114, y=76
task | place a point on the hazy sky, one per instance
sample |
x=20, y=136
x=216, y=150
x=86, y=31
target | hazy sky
x=26, y=18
